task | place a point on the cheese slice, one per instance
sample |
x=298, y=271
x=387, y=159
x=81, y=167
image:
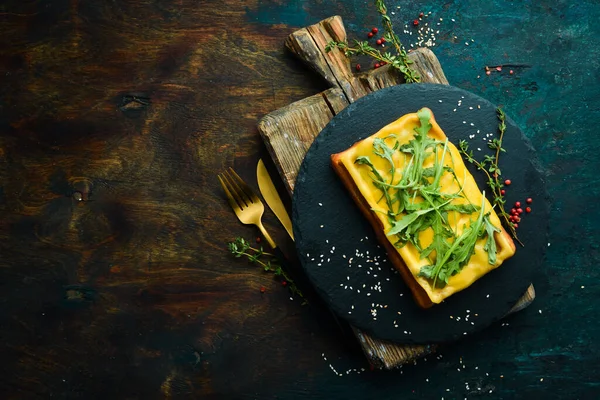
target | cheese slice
x=403, y=131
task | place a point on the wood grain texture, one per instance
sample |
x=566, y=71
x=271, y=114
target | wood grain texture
x=289, y=132
x=137, y=105
x=114, y=273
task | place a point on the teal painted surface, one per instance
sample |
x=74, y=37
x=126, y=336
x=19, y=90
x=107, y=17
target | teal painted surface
x=551, y=349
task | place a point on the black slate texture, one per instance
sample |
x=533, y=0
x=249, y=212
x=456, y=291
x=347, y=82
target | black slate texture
x=330, y=230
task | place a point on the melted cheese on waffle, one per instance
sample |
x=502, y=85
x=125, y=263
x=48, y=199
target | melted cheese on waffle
x=403, y=129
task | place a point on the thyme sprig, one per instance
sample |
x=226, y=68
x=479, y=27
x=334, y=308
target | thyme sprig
x=256, y=255
x=490, y=167
x=399, y=61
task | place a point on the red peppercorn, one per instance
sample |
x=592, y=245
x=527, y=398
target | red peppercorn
x=517, y=204
x=376, y=65
x=382, y=63
x=517, y=219
x=416, y=22
x=284, y=283
x=258, y=239
x=511, y=72
x=516, y=225
x=529, y=200
x=519, y=211
x=358, y=67
x=383, y=40
x=263, y=289
x=528, y=209
x=507, y=182
x=374, y=30
x=498, y=68
x=421, y=14
x=513, y=210
x=378, y=42
x=488, y=72
x=511, y=218
x=370, y=35
x=503, y=192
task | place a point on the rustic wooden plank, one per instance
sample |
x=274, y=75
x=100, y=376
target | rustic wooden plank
x=382, y=354
x=289, y=131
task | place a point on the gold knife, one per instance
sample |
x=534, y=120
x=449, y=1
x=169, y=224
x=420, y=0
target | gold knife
x=269, y=193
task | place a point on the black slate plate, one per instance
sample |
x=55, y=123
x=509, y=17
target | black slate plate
x=330, y=230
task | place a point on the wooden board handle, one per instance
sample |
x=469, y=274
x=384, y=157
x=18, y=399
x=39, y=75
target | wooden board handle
x=309, y=43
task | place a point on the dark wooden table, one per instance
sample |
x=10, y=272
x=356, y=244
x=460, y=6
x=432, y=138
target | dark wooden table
x=115, y=279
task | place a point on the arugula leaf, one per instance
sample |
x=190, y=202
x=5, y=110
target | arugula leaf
x=424, y=117
x=490, y=244
x=378, y=181
x=462, y=208
x=381, y=149
x=406, y=220
x=440, y=238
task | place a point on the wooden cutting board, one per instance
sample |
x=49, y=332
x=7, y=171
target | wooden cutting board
x=289, y=132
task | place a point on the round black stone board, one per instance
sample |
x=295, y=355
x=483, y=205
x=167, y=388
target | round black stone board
x=330, y=229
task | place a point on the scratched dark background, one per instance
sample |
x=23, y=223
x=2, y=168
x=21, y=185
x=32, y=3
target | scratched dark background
x=132, y=107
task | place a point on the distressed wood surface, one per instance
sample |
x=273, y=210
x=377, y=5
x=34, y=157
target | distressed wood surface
x=115, y=283
x=289, y=132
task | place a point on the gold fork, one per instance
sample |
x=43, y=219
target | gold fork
x=246, y=204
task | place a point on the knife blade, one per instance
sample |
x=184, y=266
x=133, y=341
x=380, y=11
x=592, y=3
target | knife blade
x=269, y=193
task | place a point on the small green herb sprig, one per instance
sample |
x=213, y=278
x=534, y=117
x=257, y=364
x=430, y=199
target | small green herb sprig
x=241, y=248
x=399, y=61
x=490, y=166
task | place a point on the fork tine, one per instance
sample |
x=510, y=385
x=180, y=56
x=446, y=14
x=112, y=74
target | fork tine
x=247, y=189
x=232, y=202
x=239, y=195
x=239, y=186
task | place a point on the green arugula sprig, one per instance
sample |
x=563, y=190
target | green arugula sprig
x=490, y=167
x=399, y=61
x=241, y=248
x=416, y=203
